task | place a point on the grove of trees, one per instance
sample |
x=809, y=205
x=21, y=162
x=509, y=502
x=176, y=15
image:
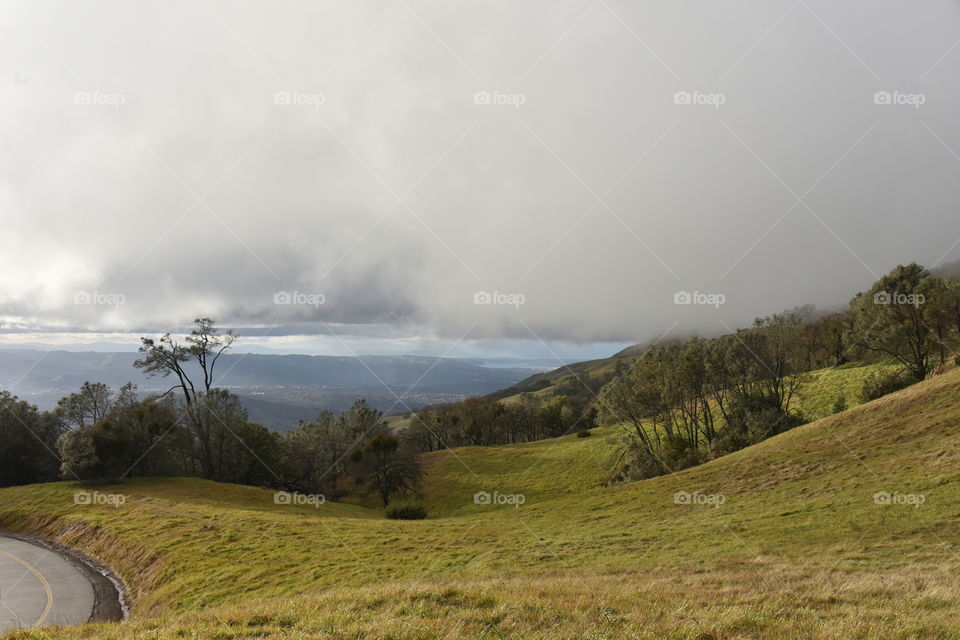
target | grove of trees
x=198, y=429
x=683, y=403
x=686, y=402
x=481, y=421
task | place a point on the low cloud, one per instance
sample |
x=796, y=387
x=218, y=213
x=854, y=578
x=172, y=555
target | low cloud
x=394, y=160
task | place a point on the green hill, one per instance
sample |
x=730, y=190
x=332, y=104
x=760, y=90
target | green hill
x=585, y=378
x=575, y=378
x=561, y=466
x=569, y=379
x=787, y=541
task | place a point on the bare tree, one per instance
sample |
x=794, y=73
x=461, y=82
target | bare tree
x=167, y=356
x=86, y=407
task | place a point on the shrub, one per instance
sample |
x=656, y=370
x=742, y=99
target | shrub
x=840, y=404
x=880, y=383
x=638, y=463
x=406, y=512
x=752, y=419
x=584, y=434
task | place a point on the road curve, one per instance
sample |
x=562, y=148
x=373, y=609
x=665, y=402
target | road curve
x=38, y=587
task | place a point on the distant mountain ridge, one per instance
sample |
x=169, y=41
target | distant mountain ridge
x=31, y=368
x=278, y=390
x=582, y=379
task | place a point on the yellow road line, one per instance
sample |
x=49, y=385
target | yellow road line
x=43, y=581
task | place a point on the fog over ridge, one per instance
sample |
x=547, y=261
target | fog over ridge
x=345, y=155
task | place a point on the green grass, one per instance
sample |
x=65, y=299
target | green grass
x=558, y=467
x=397, y=422
x=798, y=549
x=825, y=386
x=561, y=466
x=541, y=470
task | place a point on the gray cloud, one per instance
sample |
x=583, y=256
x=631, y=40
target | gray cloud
x=386, y=189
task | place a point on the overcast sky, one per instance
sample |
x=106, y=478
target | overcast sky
x=368, y=168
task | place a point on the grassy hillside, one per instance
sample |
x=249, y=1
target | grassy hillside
x=797, y=549
x=561, y=466
x=569, y=379
x=542, y=470
x=827, y=384
x=818, y=396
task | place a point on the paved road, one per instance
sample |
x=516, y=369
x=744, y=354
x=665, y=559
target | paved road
x=40, y=587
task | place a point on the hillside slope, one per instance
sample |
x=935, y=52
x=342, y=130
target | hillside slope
x=584, y=379
x=572, y=379
x=561, y=466
x=789, y=542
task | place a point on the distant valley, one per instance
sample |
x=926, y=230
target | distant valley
x=277, y=390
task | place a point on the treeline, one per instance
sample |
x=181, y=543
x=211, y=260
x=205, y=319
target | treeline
x=684, y=403
x=197, y=429
x=481, y=421
x=29, y=439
